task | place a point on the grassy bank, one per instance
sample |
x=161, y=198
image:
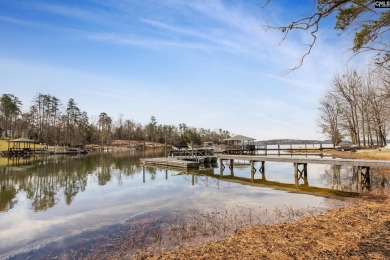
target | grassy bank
x=3, y=145
x=358, y=232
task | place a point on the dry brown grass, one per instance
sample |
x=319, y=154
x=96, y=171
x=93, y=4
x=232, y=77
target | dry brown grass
x=368, y=154
x=358, y=232
x=154, y=235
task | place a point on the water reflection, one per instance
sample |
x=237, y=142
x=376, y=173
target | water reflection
x=356, y=179
x=335, y=179
x=45, y=180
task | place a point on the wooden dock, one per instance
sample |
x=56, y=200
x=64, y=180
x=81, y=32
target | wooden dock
x=199, y=159
x=360, y=167
x=264, y=150
x=170, y=161
x=300, y=160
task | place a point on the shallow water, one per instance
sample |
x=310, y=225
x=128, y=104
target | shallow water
x=52, y=202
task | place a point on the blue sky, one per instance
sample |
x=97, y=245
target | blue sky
x=208, y=63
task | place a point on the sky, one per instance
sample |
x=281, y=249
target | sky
x=209, y=64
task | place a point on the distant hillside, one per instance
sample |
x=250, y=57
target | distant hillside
x=295, y=141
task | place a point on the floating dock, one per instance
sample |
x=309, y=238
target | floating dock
x=199, y=159
x=170, y=161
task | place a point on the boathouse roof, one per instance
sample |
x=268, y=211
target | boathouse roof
x=239, y=138
x=22, y=140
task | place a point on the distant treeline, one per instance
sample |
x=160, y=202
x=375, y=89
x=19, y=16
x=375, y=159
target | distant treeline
x=292, y=141
x=357, y=106
x=49, y=121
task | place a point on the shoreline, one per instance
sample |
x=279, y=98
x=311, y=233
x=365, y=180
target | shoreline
x=358, y=231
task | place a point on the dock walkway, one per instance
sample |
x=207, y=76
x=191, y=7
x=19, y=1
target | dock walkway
x=350, y=162
x=360, y=167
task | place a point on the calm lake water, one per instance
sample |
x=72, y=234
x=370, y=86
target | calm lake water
x=58, y=201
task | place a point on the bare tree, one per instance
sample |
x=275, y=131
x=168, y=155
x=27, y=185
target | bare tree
x=360, y=102
x=370, y=24
x=329, y=118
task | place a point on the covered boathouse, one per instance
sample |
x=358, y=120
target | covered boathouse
x=20, y=147
x=239, y=144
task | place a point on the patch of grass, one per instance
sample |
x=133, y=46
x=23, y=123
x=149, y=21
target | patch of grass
x=374, y=154
x=3, y=145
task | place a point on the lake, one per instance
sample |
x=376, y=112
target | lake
x=52, y=205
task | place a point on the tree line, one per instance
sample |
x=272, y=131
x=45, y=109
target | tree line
x=50, y=121
x=357, y=106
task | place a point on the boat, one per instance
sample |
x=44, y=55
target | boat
x=133, y=148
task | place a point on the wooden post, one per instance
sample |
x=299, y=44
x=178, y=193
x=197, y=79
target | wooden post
x=367, y=178
x=165, y=147
x=359, y=178
x=231, y=164
x=364, y=180
x=279, y=149
x=143, y=173
x=305, y=181
x=266, y=151
x=252, y=171
x=221, y=167
x=193, y=179
x=262, y=167
x=296, y=175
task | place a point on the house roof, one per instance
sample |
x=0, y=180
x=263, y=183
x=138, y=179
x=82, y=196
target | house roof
x=239, y=138
x=22, y=140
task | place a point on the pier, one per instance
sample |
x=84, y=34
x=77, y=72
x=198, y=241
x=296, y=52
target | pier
x=361, y=167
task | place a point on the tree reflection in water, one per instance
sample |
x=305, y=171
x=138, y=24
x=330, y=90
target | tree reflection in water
x=45, y=180
x=346, y=178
